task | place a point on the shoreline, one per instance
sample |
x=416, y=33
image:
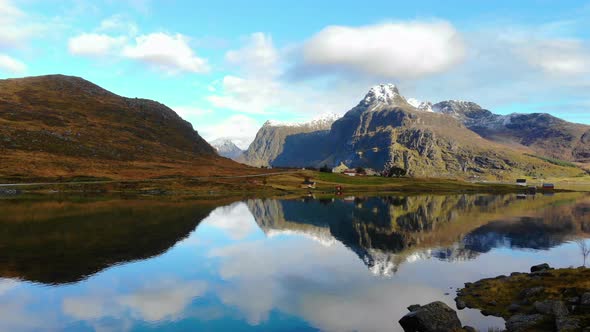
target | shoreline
x=545, y=299
x=280, y=183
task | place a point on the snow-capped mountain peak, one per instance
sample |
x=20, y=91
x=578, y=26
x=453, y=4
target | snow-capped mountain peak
x=425, y=106
x=226, y=148
x=382, y=93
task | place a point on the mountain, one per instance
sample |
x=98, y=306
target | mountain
x=226, y=148
x=545, y=134
x=385, y=130
x=271, y=140
x=53, y=126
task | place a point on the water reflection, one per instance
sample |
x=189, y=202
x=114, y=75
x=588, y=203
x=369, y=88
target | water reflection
x=65, y=241
x=268, y=264
x=387, y=231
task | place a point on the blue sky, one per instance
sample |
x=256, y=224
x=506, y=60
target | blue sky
x=228, y=66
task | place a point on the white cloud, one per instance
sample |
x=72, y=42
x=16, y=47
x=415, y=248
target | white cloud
x=157, y=302
x=235, y=220
x=240, y=128
x=117, y=23
x=8, y=10
x=170, y=53
x=11, y=65
x=394, y=50
x=154, y=301
x=116, y=37
x=16, y=27
x=557, y=56
x=255, y=96
x=92, y=44
x=258, y=56
x=6, y=285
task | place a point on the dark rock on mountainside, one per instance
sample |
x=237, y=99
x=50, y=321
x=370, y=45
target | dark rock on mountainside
x=540, y=267
x=385, y=131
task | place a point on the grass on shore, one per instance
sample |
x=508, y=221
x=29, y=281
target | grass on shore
x=264, y=185
x=495, y=295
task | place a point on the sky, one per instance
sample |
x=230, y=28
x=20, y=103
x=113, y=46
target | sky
x=228, y=66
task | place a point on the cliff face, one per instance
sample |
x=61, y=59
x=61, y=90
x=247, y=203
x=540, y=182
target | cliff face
x=275, y=138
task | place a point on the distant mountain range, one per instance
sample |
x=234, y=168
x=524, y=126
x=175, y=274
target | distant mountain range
x=62, y=126
x=449, y=138
x=226, y=148
x=54, y=126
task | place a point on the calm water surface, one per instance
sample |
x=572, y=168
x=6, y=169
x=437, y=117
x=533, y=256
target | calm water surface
x=350, y=264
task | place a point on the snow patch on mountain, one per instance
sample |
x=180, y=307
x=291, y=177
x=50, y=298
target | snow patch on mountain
x=321, y=121
x=425, y=106
x=382, y=93
x=414, y=102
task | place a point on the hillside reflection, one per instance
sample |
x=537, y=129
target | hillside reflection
x=132, y=264
x=56, y=242
x=387, y=231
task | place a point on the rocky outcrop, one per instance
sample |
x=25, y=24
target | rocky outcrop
x=432, y=317
x=545, y=300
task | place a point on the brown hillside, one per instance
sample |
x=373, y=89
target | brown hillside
x=52, y=126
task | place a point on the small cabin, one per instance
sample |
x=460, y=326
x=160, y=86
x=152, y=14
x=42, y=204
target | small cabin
x=308, y=184
x=521, y=182
x=548, y=186
x=350, y=172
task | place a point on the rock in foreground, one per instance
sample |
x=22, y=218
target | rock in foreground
x=433, y=317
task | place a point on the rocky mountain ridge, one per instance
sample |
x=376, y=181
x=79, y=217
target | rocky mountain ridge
x=226, y=148
x=444, y=139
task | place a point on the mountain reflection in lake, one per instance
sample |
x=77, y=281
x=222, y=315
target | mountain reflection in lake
x=351, y=264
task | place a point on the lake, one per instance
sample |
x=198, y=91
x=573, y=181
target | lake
x=303, y=264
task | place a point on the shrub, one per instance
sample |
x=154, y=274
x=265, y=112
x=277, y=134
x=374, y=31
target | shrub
x=395, y=172
x=325, y=169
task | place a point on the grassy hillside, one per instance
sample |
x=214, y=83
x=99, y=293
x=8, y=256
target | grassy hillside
x=60, y=126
